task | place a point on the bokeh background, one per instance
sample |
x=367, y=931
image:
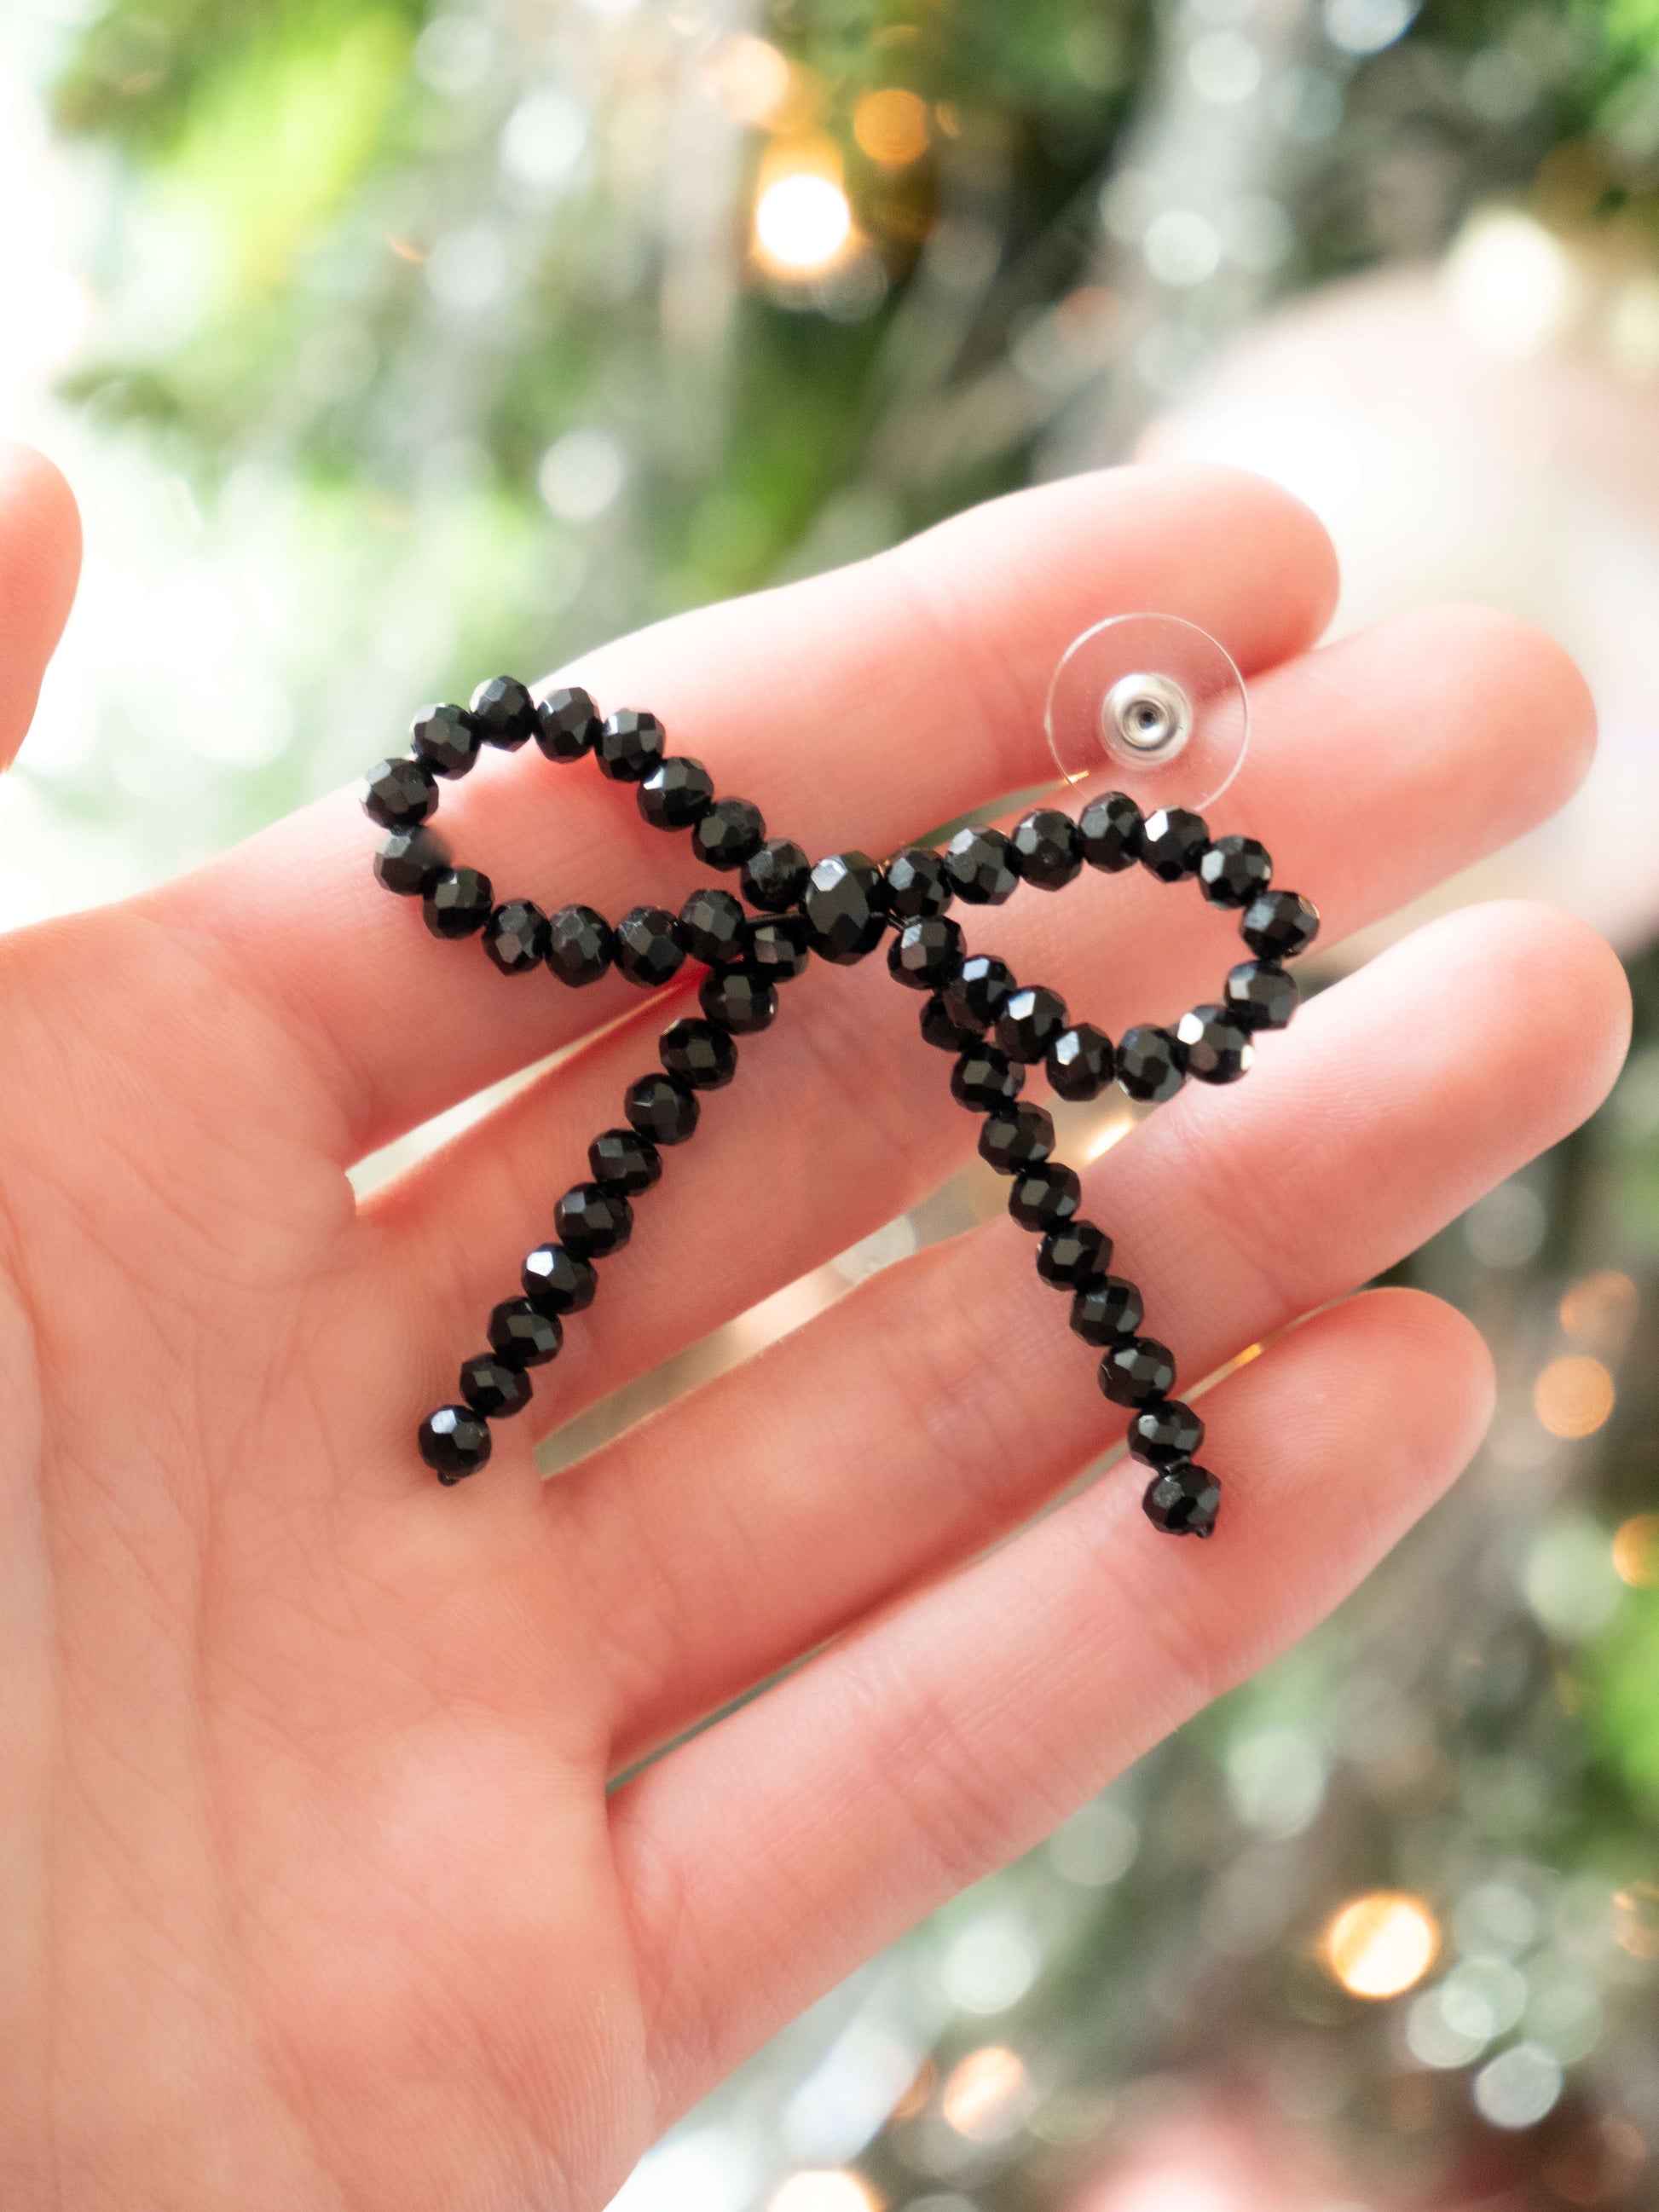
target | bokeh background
x=388, y=344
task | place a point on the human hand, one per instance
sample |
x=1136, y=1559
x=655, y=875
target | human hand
x=312, y=1893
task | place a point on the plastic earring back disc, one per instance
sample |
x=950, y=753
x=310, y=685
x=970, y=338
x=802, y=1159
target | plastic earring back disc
x=1155, y=702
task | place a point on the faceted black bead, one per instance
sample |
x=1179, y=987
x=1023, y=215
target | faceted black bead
x=493, y=1385
x=409, y=861
x=399, y=794
x=700, y=1053
x=567, y=723
x=1279, y=924
x=1081, y=1062
x=580, y=945
x=917, y=885
x=1215, y=1046
x=447, y=738
x=1149, y=1064
x=1107, y=1310
x=1173, y=843
x=1183, y=1501
x=662, y=1109
x=525, y=1332
x=776, y=947
x=677, y=794
x=1047, y=849
x=1032, y=1021
x=739, y=999
x=624, y=1159
x=1234, y=870
x=1137, y=1371
x=1045, y=1195
x=842, y=905
x=516, y=936
x=926, y=953
x=714, y=927
x=1110, y=829
x=648, y=948
x=986, y=1078
x=594, y=1218
x=940, y=1027
x=556, y=1280
x=730, y=833
x=979, y=868
x=775, y=876
x=505, y=712
x=1073, y=1255
x=1164, y=1433
x=454, y=1441
x=630, y=745
x=979, y=991
x=458, y=902
x=1261, y=994
x=1016, y=1137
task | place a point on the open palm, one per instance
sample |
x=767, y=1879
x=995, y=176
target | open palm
x=312, y=1894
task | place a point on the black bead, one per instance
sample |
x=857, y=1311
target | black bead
x=1107, y=1310
x=556, y=1280
x=505, y=713
x=1261, y=994
x=493, y=1385
x=592, y=1219
x=1032, y=1021
x=624, y=1159
x=567, y=723
x=454, y=1441
x=1149, y=1064
x=775, y=875
x=1081, y=1062
x=662, y=1109
x=1279, y=924
x=700, y=1053
x=399, y=794
x=458, y=902
x=516, y=936
x=1047, y=849
x=926, y=953
x=917, y=885
x=580, y=945
x=447, y=738
x=630, y=745
x=1164, y=1433
x=775, y=947
x=842, y=905
x=714, y=927
x=979, y=991
x=1182, y=1501
x=1016, y=1137
x=676, y=795
x=409, y=861
x=1215, y=1046
x=1045, y=1195
x=524, y=1332
x=1137, y=1371
x=985, y=1079
x=979, y=868
x=739, y=999
x=1234, y=870
x=940, y=1027
x=730, y=833
x=648, y=950
x=1110, y=828
x=1073, y=1253
x=1173, y=843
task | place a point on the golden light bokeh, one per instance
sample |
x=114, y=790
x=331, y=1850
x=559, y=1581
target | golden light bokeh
x=1599, y=1311
x=891, y=127
x=751, y=79
x=832, y=2189
x=987, y=2095
x=1573, y=1396
x=1636, y=1551
x=803, y=222
x=1381, y=1943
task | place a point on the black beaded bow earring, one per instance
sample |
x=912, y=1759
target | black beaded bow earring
x=1167, y=707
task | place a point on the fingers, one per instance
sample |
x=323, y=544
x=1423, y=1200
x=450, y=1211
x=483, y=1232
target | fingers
x=40, y=561
x=766, y=1858
x=857, y=709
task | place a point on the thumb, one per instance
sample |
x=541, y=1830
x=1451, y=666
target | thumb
x=40, y=561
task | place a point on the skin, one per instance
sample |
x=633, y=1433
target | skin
x=313, y=1895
